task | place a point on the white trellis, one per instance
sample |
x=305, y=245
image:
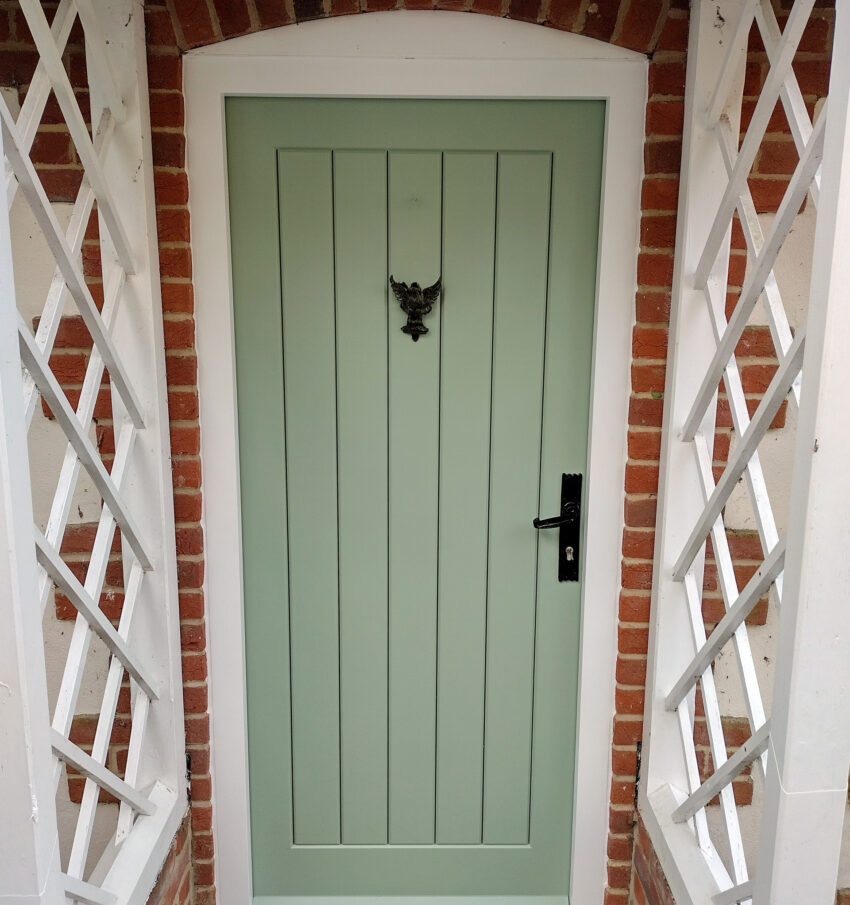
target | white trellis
x=135, y=491
x=803, y=747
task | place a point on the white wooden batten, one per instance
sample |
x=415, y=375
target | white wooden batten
x=136, y=491
x=802, y=748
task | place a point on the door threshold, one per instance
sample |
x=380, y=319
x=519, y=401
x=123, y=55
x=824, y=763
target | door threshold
x=411, y=900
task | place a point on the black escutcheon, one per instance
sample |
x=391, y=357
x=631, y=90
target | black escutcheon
x=568, y=524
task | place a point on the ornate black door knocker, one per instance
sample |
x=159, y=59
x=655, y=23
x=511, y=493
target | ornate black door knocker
x=415, y=302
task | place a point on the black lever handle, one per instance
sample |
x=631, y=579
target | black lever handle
x=568, y=524
x=568, y=516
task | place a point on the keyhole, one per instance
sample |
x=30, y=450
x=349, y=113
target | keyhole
x=569, y=552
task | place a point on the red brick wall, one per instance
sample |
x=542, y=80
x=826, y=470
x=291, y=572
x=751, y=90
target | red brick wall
x=649, y=886
x=657, y=28
x=174, y=886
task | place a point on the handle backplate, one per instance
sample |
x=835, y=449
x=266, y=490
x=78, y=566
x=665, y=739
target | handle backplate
x=568, y=524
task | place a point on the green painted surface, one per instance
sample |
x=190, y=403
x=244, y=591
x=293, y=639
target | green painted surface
x=522, y=251
x=411, y=658
x=306, y=239
x=415, y=201
x=469, y=221
x=360, y=205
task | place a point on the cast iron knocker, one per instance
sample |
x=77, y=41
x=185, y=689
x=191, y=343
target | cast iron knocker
x=415, y=302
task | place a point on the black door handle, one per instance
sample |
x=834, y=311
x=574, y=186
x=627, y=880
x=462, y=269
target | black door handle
x=568, y=524
x=569, y=514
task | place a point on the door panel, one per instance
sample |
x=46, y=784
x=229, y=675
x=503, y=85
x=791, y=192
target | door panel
x=522, y=248
x=360, y=240
x=412, y=660
x=415, y=216
x=306, y=238
x=469, y=181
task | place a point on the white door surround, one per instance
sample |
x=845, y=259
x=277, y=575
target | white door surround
x=414, y=54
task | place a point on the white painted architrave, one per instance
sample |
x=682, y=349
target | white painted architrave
x=414, y=54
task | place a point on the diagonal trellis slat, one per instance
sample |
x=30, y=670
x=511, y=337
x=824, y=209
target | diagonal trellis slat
x=85, y=605
x=686, y=727
x=756, y=485
x=790, y=94
x=87, y=893
x=714, y=725
x=38, y=93
x=754, y=238
x=757, y=277
x=764, y=576
x=74, y=280
x=779, y=71
x=51, y=315
x=106, y=779
x=52, y=393
x=729, y=587
x=765, y=413
x=803, y=755
x=135, y=493
x=64, y=93
x=81, y=637
x=100, y=746
x=723, y=775
x=63, y=498
x=741, y=893
x=141, y=709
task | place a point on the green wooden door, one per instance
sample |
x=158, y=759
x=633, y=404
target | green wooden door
x=412, y=659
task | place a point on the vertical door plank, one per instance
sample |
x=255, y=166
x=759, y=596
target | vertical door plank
x=576, y=189
x=306, y=235
x=414, y=224
x=466, y=338
x=360, y=215
x=252, y=175
x=520, y=311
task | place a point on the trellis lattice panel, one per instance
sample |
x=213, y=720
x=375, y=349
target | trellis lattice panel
x=785, y=736
x=90, y=650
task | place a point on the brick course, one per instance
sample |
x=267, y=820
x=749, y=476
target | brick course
x=175, y=884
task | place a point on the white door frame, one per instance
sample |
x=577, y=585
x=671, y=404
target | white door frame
x=414, y=54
